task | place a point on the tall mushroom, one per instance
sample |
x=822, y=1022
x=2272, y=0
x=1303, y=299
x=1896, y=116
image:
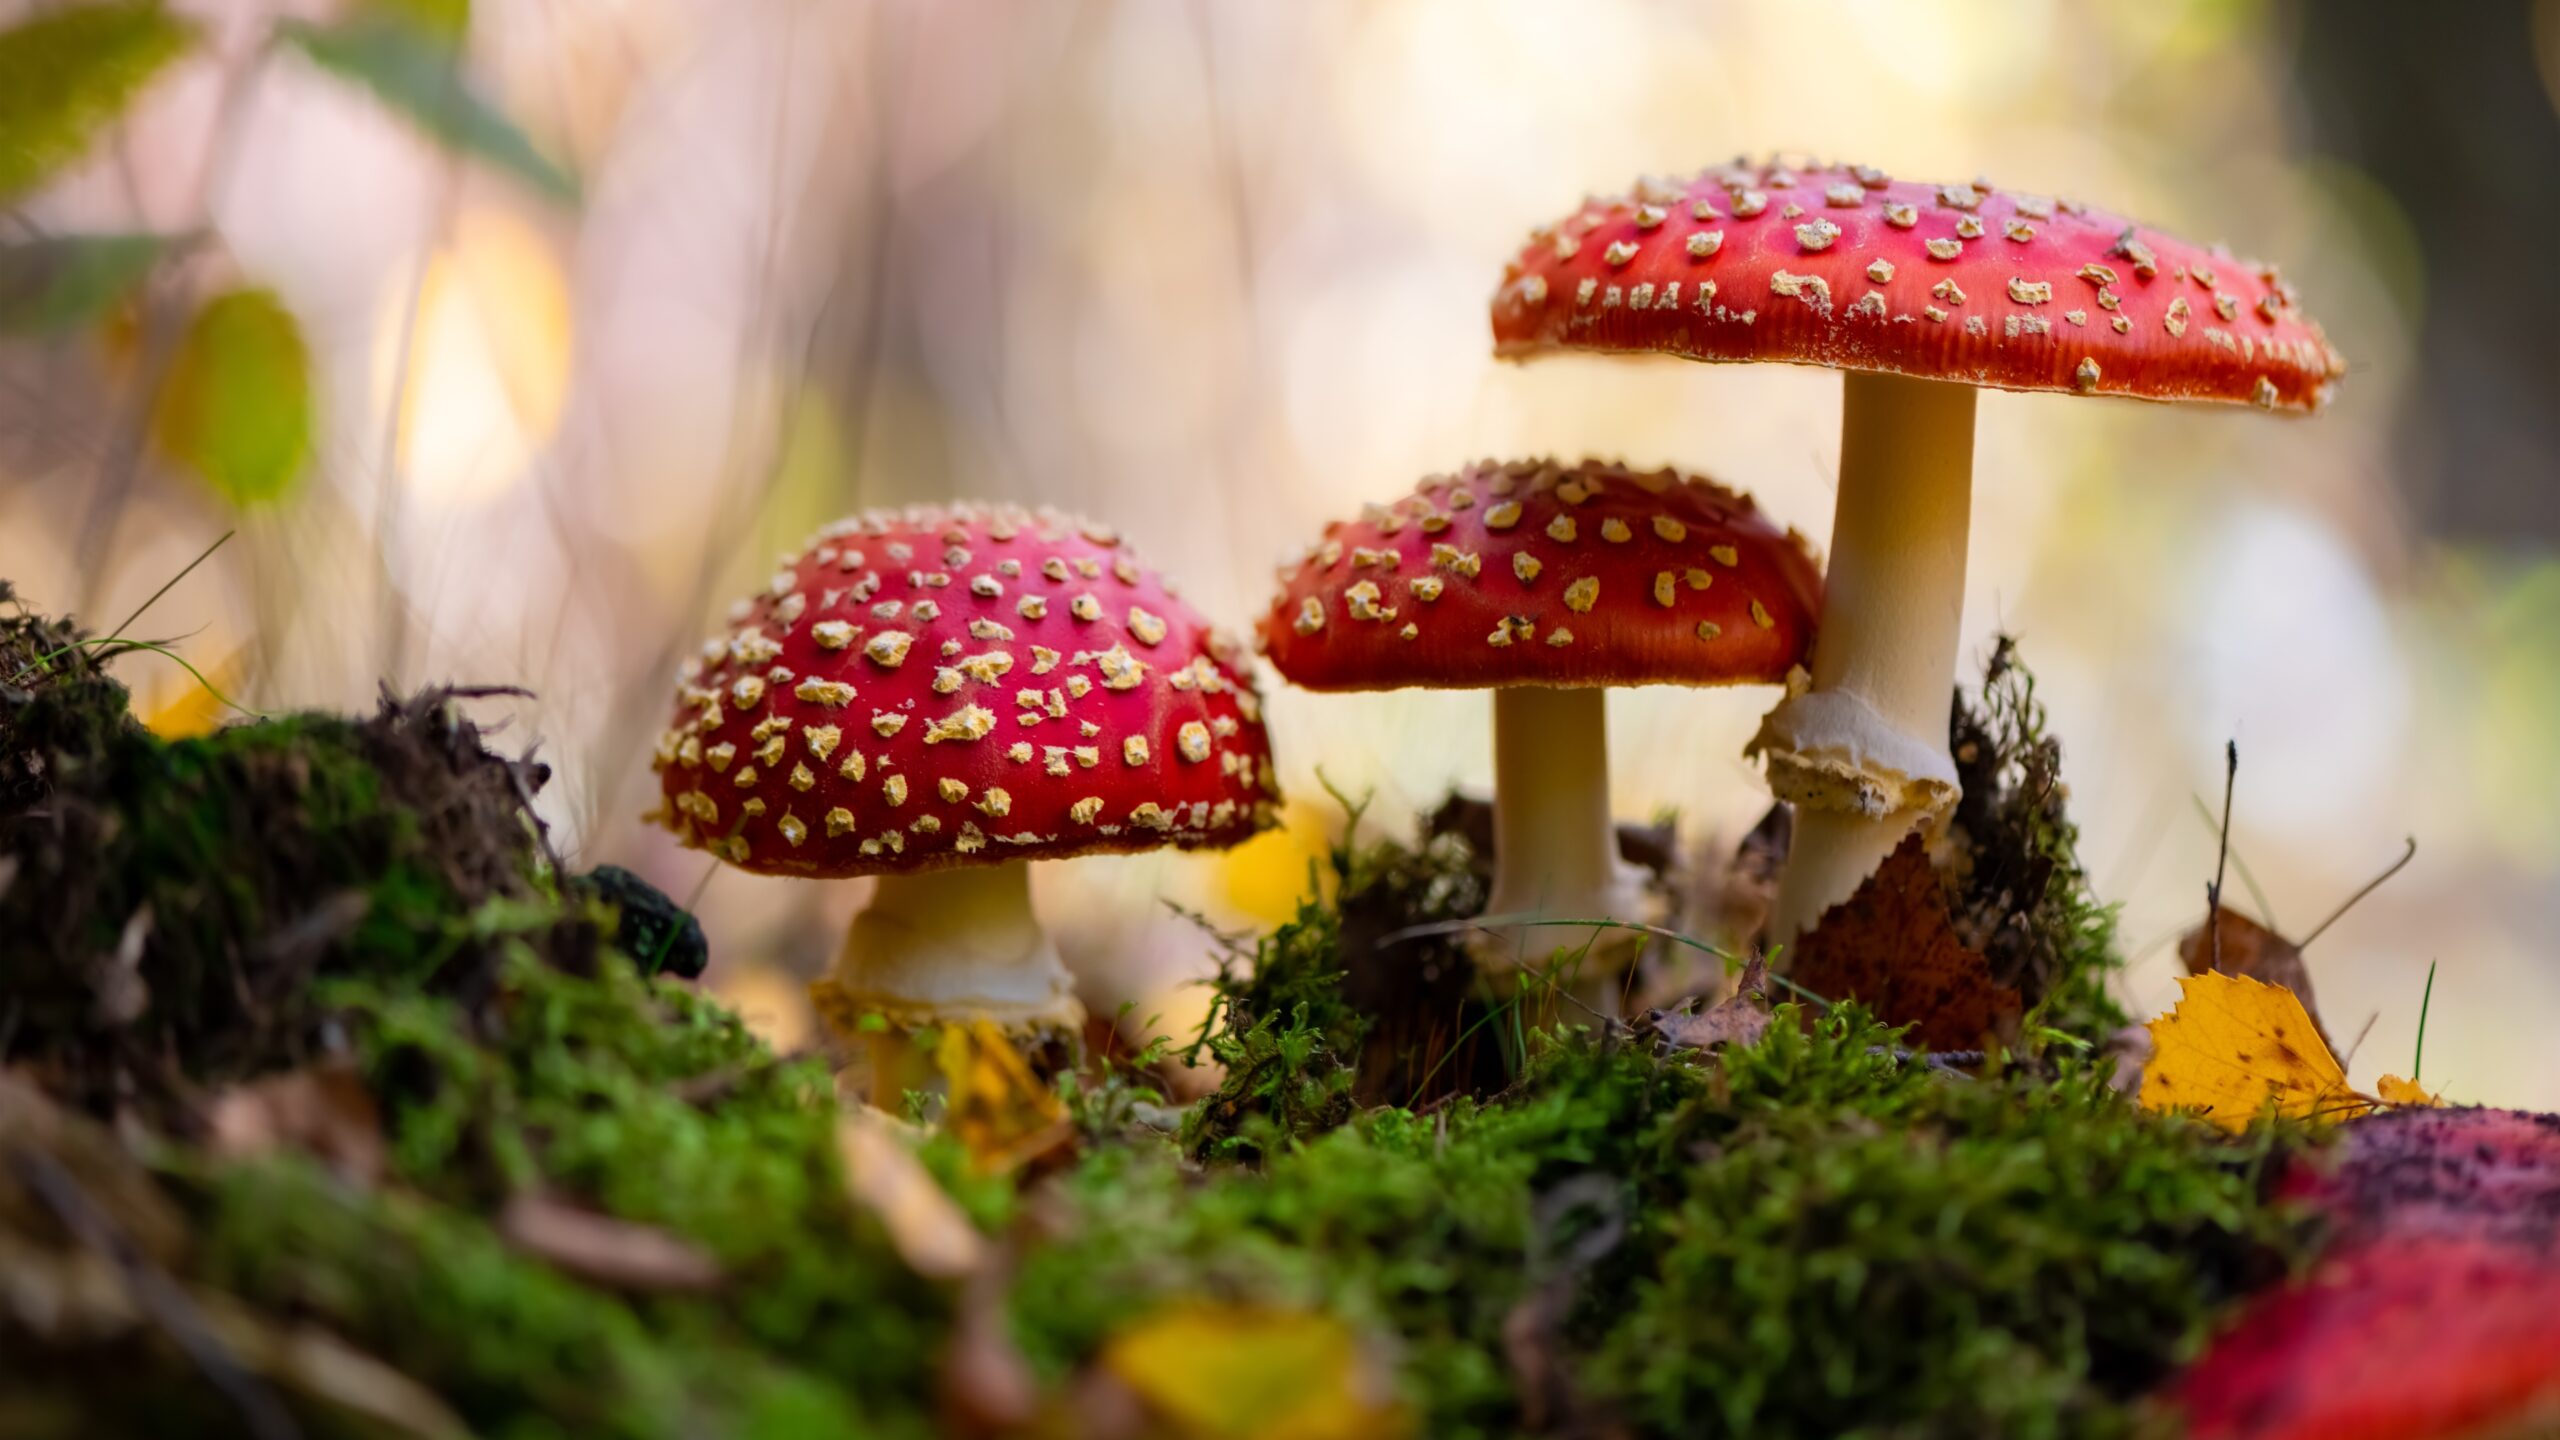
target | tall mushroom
x=1920, y=294
x=1545, y=583
x=939, y=696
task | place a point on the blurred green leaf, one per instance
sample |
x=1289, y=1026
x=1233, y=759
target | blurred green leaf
x=411, y=70
x=445, y=20
x=236, y=407
x=67, y=74
x=63, y=283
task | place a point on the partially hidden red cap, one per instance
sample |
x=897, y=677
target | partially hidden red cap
x=1845, y=267
x=1536, y=573
x=966, y=684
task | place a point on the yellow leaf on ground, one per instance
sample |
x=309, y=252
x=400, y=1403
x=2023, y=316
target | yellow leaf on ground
x=1235, y=1372
x=997, y=1108
x=2234, y=1048
x=2395, y=1091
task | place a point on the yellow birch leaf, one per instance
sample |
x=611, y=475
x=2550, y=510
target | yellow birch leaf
x=1237, y=1372
x=998, y=1109
x=2395, y=1091
x=2234, y=1048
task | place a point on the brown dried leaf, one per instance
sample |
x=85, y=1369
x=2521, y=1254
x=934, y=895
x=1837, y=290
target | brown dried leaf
x=324, y=1111
x=884, y=1176
x=1892, y=946
x=318, y=1365
x=1737, y=1019
x=604, y=1250
x=2253, y=950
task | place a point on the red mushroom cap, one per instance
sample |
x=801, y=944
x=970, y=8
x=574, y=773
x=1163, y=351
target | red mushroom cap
x=1535, y=573
x=1842, y=266
x=2434, y=1310
x=962, y=685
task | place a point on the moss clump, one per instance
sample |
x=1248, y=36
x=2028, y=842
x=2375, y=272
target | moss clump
x=1377, y=978
x=1814, y=1236
x=1283, y=1083
x=371, y=893
x=59, y=709
x=174, y=901
x=2020, y=895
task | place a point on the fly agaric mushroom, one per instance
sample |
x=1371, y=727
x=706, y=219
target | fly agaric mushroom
x=938, y=696
x=1546, y=583
x=1920, y=294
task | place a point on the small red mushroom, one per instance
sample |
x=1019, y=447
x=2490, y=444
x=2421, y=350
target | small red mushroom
x=1921, y=294
x=2433, y=1311
x=938, y=696
x=1545, y=583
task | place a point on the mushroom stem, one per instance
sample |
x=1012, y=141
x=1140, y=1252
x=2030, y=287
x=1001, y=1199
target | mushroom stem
x=1863, y=751
x=956, y=944
x=1555, y=849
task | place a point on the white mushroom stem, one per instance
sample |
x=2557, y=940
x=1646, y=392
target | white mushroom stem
x=948, y=946
x=1862, y=750
x=1555, y=849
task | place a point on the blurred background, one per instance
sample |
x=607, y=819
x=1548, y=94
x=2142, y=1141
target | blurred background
x=1216, y=271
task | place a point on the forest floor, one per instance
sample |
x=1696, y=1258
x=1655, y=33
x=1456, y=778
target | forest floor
x=329, y=1105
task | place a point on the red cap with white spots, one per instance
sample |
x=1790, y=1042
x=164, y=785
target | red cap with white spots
x=1846, y=267
x=948, y=686
x=1535, y=573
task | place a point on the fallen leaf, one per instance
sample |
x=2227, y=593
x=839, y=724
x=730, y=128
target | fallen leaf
x=884, y=1176
x=2395, y=1091
x=84, y=1234
x=998, y=1108
x=2251, y=949
x=1892, y=946
x=314, y=1363
x=604, y=1250
x=1237, y=1372
x=2234, y=1047
x=323, y=1110
x=1738, y=1019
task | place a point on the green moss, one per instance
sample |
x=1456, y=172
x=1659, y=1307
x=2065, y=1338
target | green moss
x=179, y=898
x=59, y=709
x=632, y=1098
x=1377, y=979
x=1283, y=1083
x=1811, y=1237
